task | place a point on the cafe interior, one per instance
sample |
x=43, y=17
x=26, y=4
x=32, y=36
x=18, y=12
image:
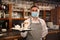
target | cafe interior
x=14, y=12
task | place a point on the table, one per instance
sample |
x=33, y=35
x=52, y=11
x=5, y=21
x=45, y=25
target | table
x=51, y=31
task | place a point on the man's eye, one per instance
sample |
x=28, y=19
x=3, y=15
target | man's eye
x=34, y=10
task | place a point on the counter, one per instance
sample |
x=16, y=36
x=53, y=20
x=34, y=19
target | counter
x=14, y=34
x=10, y=35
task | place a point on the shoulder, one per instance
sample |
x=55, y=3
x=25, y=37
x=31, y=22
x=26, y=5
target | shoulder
x=27, y=20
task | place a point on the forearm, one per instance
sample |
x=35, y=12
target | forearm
x=24, y=34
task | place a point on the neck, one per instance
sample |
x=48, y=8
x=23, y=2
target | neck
x=35, y=18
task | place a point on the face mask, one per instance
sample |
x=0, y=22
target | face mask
x=35, y=14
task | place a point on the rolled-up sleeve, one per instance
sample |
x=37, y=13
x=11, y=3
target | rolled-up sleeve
x=26, y=25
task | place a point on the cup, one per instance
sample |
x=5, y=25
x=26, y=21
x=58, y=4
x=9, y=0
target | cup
x=24, y=25
x=17, y=26
x=4, y=30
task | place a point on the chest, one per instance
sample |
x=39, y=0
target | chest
x=36, y=26
x=34, y=21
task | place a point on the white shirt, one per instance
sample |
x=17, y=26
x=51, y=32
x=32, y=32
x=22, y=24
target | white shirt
x=45, y=29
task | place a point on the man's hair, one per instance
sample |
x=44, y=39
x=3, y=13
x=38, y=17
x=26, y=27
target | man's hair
x=34, y=6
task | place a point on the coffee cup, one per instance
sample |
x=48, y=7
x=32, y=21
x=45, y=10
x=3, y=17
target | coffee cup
x=4, y=30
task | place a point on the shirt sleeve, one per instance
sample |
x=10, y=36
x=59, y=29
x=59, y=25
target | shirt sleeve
x=26, y=25
x=44, y=28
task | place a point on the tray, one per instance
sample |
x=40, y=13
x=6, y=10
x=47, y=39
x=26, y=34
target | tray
x=19, y=29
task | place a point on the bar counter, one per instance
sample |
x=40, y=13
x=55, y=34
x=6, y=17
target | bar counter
x=14, y=34
x=10, y=35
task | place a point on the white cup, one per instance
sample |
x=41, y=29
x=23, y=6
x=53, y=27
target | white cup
x=24, y=26
x=17, y=26
x=4, y=30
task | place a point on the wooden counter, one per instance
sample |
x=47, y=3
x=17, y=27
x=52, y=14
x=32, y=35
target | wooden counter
x=53, y=35
x=10, y=35
x=53, y=31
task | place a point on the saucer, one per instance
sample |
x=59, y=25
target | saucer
x=1, y=34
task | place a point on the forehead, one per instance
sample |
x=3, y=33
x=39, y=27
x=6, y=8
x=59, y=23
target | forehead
x=34, y=8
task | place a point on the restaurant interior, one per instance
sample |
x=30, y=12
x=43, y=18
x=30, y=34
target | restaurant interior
x=14, y=12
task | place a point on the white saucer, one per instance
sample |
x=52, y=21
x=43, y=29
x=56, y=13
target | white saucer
x=27, y=29
x=1, y=34
x=21, y=29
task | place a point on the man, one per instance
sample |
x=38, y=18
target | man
x=37, y=25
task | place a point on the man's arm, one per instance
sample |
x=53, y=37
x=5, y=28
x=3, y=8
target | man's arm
x=44, y=28
x=26, y=25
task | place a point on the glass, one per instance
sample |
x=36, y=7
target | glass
x=6, y=15
x=17, y=14
x=41, y=14
x=48, y=13
x=0, y=25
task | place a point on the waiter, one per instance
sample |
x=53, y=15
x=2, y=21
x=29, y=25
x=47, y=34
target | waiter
x=37, y=25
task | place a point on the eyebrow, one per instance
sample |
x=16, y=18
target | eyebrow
x=34, y=10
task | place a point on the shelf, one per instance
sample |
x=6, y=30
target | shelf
x=4, y=18
x=48, y=14
x=13, y=18
x=19, y=18
x=17, y=10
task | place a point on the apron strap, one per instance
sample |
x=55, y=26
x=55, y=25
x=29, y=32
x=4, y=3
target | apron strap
x=31, y=21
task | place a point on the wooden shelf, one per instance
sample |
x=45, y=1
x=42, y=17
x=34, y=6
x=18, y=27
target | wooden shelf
x=4, y=18
x=19, y=18
x=17, y=10
x=46, y=15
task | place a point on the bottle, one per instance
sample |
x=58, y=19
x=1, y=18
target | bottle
x=4, y=15
x=1, y=15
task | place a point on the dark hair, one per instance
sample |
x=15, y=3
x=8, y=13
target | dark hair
x=34, y=6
